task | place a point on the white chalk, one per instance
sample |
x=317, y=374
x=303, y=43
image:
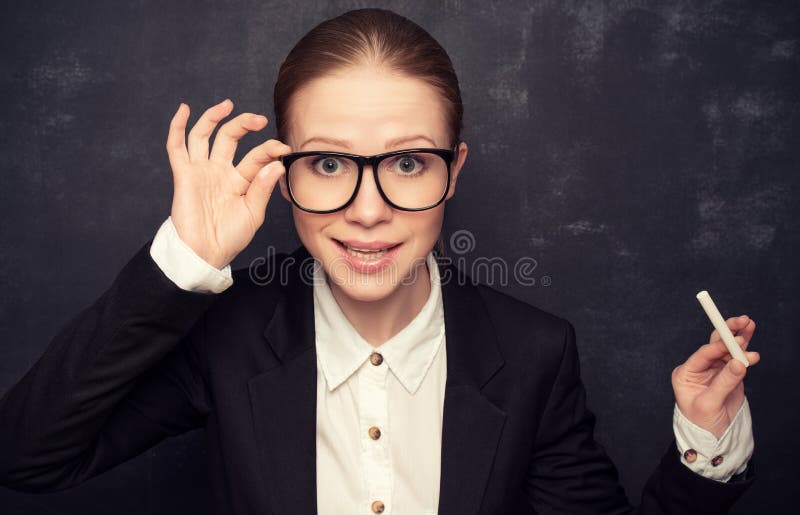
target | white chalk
x=722, y=328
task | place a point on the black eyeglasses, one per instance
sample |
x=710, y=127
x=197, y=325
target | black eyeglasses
x=413, y=179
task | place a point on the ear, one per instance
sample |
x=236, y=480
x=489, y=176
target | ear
x=455, y=168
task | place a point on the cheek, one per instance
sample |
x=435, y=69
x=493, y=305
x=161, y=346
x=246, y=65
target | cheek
x=311, y=227
x=425, y=226
x=306, y=226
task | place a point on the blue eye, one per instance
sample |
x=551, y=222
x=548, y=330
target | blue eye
x=330, y=165
x=407, y=164
x=410, y=164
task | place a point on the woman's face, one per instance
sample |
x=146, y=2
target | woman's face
x=368, y=110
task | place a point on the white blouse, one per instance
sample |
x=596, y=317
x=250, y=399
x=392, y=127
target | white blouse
x=379, y=409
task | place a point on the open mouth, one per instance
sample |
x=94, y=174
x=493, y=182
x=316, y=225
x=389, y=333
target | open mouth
x=365, y=253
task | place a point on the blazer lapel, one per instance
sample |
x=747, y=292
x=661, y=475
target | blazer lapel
x=472, y=424
x=284, y=398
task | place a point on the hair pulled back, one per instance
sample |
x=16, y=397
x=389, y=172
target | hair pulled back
x=373, y=37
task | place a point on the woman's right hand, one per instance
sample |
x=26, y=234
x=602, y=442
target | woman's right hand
x=217, y=207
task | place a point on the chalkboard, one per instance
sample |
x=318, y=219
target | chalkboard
x=631, y=153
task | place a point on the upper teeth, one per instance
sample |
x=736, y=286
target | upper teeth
x=363, y=250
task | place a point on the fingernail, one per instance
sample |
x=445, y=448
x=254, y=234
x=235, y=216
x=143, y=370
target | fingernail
x=742, y=316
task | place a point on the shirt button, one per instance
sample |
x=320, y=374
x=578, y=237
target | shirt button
x=374, y=433
x=690, y=455
x=716, y=460
x=377, y=507
x=375, y=358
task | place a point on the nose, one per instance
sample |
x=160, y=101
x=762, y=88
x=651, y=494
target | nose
x=368, y=208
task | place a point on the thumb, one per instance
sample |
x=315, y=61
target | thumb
x=727, y=380
x=261, y=187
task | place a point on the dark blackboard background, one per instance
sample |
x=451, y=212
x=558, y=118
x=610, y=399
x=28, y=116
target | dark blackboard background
x=638, y=151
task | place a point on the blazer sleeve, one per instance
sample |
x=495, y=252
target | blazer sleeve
x=120, y=376
x=571, y=473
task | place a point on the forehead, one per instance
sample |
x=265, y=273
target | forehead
x=366, y=106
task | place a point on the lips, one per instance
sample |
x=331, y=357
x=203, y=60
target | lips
x=367, y=261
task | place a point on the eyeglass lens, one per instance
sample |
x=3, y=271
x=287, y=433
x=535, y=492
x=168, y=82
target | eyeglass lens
x=411, y=181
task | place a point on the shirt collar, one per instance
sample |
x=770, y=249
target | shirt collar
x=409, y=353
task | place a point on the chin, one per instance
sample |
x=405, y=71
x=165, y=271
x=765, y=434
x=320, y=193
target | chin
x=367, y=291
x=366, y=287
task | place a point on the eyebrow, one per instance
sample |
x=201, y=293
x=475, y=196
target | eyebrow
x=346, y=144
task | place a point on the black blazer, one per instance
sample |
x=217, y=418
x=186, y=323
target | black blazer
x=148, y=360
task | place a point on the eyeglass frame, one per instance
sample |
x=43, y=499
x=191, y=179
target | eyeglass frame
x=374, y=161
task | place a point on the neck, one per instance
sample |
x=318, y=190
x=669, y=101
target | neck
x=377, y=321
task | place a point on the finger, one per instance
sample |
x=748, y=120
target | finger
x=176, y=138
x=725, y=382
x=741, y=325
x=706, y=356
x=260, y=190
x=228, y=136
x=741, y=341
x=198, y=136
x=753, y=357
x=748, y=329
x=260, y=156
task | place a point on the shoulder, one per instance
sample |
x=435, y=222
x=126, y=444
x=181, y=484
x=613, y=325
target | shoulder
x=507, y=310
x=256, y=290
x=525, y=332
x=537, y=346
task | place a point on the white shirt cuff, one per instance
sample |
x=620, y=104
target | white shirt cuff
x=715, y=459
x=183, y=266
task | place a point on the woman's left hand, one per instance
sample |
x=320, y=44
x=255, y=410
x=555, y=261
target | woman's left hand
x=708, y=387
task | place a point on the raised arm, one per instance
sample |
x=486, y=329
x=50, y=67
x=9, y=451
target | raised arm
x=128, y=370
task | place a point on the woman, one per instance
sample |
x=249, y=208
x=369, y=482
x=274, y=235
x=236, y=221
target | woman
x=381, y=386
